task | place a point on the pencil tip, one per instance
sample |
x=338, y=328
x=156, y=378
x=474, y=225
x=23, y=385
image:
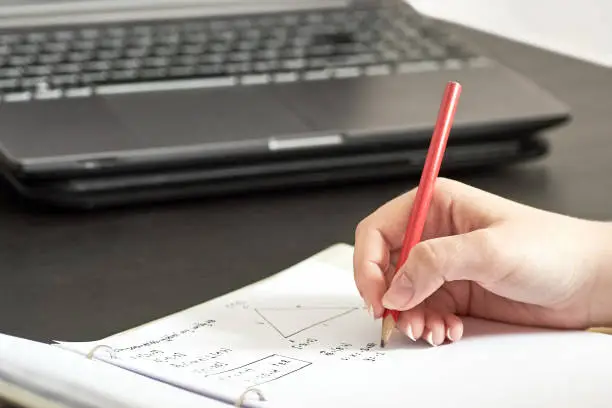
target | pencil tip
x=387, y=329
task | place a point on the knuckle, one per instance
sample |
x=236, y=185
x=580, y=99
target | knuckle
x=449, y=187
x=491, y=248
x=426, y=257
x=361, y=226
x=445, y=184
x=485, y=240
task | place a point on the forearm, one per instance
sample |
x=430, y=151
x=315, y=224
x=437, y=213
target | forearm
x=601, y=300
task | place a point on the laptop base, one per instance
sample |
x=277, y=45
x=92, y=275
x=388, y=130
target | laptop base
x=198, y=183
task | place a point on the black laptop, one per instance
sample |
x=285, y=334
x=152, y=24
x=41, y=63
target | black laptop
x=106, y=102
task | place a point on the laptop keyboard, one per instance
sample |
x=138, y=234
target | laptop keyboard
x=274, y=48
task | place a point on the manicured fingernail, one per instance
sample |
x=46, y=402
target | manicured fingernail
x=448, y=334
x=409, y=333
x=399, y=294
x=369, y=308
x=429, y=338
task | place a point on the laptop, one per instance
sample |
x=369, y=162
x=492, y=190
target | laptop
x=112, y=101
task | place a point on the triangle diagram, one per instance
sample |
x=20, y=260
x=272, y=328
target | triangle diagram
x=293, y=320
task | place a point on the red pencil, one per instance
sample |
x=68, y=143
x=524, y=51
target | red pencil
x=420, y=207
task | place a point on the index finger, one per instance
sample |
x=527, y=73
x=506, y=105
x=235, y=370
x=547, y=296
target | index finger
x=375, y=238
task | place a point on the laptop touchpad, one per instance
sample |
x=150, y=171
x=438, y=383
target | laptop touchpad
x=195, y=117
x=366, y=104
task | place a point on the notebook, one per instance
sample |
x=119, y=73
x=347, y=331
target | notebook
x=302, y=338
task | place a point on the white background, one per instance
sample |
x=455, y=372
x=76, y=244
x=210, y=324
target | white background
x=579, y=28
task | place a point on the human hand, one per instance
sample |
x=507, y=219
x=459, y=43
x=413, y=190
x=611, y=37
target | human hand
x=484, y=256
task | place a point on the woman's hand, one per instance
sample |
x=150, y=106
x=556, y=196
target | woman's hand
x=484, y=256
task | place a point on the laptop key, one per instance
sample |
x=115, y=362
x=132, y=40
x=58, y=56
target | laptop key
x=124, y=75
x=10, y=72
x=32, y=82
x=157, y=62
x=62, y=81
x=93, y=77
x=85, y=45
x=89, y=34
x=79, y=56
x=238, y=68
x=8, y=39
x=239, y=56
x=361, y=59
x=182, y=60
x=9, y=85
x=127, y=64
x=17, y=96
x=20, y=60
x=108, y=54
x=210, y=70
x=294, y=64
x=55, y=47
x=68, y=68
x=137, y=52
x=213, y=58
x=183, y=71
x=193, y=49
x=22, y=49
x=38, y=70
x=153, y=73
x=111, y=43
x=265, y=66
x=50, y=58
x=98, y=66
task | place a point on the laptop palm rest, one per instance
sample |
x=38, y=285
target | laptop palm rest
x=230, y=119
x=380, y=105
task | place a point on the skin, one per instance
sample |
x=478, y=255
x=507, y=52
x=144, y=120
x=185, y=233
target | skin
x=484, y=256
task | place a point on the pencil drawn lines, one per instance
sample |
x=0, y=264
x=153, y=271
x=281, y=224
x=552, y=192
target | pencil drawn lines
x=264, y=370
x=290, y=321
x=270, y=323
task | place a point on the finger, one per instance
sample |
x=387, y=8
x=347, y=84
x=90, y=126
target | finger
x=412, y=323
x=435, y=328
x=454, y=327
x=431, y=263
x=391, y=219
x=370, y=263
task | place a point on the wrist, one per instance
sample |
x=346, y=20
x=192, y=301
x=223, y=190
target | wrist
x=600, y=303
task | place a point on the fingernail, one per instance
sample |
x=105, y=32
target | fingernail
x=370, y=309
x=409, y=333
x=429, y=338
x=448, y=334
x=399, y=294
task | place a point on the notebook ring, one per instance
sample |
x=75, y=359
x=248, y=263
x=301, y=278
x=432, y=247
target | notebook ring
x=92, y=352
x=240, y=401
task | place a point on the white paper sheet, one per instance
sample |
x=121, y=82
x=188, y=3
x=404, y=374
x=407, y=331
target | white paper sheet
x=304, y=339
x=71, y=379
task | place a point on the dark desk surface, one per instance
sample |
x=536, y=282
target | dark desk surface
x=85, y=276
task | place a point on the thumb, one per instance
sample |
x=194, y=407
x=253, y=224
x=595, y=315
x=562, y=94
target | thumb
x=433, y=262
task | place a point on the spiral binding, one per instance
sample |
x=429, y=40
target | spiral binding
x=243, y=396
x=238, y=404
x=92, y=352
